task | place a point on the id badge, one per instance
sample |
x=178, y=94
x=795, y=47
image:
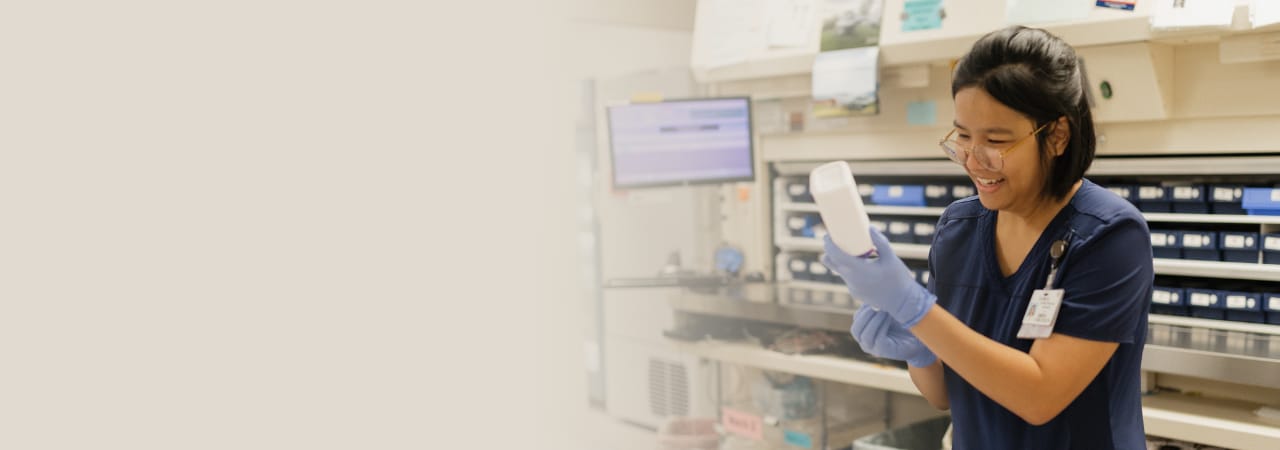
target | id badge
x=1042, y=313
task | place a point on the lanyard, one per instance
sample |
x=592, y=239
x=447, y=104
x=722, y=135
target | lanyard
x=1056, y=251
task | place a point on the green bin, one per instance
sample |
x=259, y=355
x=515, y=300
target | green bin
x=926, y=435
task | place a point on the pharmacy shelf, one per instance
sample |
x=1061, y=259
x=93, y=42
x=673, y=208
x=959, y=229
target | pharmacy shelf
x=1217, y=269
x=1239, y=369
x=815, y=317
x=1228, y=325
x=816, y=286
x=1223, y=423
x=873, y=209
x=1211, y=218
x=905, y=251
x=842, y=370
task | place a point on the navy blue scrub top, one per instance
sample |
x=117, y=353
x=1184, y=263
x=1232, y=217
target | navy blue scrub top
x=1107, y=277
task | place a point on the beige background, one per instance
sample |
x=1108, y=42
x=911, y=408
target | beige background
x=286, y=224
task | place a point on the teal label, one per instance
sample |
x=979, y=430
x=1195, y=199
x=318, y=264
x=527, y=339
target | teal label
x=798, y=439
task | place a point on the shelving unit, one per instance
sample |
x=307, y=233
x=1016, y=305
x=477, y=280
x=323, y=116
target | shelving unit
x=1223, y=423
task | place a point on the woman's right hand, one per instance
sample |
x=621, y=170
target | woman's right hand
x=880, y=335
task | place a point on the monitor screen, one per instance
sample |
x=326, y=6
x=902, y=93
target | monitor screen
x=681, y=142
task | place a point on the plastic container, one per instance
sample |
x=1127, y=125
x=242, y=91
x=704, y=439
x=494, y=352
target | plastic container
x=1168, y=300
x=1125, y=191
x=1271, y=248
x=1206, y=304
x=1166, y=244
x=836, y=194
x=1154, y=198
x=937, y=195
x=899, y=195
x=1244, y=307
x=1241, y=247
x=1226, y=199
x=1188, y=199
x=1200, y=245
x=926, y=435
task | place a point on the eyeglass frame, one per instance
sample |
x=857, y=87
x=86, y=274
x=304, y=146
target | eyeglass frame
x=943, y=144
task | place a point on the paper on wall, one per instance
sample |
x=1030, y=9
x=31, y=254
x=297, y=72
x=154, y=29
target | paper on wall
x=1176, y=14
x=791, y=22
x=1264, y=12
x=845, y=82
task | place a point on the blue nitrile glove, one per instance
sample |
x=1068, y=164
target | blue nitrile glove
x=880, y=335
x=885, y=283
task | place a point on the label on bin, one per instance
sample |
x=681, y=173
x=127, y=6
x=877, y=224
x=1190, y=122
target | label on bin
x=1238, y=302
x=1192, y=240
x=1161, y=297
x=1151, y=192
x=1122, y=192
x=796, y=189
x=1274, y=303
x=1203, y=299
x=866, y=190
x=798, y=439
x=1235, y=241
x=1226, y=194
x=1160, y=240
x=935, y=191
x=1185, y=193
x=1275, y=195
x=742, y=424
x=1272, y=243
x=896, y=191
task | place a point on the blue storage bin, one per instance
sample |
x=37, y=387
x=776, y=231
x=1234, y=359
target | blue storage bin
x=937, y=195
x=798, y=191
x=1244, y=307
x=1271, y=304
x=1200, y=245
x=899, y=231
x=1237, y=246
x=799, y=267
x=1168, y=300
x=1126, y=191
x=1262, y=201
x=1226, y=199
x=1206, y=304
x=1188, y=199
x=1166, y=244
x=922, y=232
x=899, y=195
x=961, y=191
x=1271, y=248
x=1154, y=198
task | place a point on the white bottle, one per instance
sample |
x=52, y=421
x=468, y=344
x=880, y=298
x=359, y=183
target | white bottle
x=836, y=194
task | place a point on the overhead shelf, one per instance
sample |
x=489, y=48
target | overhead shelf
x=1227, y=325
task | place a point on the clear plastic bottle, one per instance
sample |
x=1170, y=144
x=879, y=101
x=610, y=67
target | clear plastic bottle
x=836, y=194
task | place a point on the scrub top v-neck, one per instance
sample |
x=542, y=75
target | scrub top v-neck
x=1106, y=274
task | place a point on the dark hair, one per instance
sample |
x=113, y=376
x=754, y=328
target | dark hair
x=1037, y=74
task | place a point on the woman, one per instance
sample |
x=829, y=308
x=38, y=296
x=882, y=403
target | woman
x=1064, y=375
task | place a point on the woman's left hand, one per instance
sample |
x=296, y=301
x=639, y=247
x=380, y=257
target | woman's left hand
x=885, y=283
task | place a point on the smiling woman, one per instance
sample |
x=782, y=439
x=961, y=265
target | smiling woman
x=1021, y=364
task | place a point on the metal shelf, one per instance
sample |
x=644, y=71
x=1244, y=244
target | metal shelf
x=904, y=251
x=816, y=286
x=1240, y=369
x=1211, y=218
x=828, y=319
x=1228, y=325
x=1223, y=423
x=842, y=370
x=1217, y=269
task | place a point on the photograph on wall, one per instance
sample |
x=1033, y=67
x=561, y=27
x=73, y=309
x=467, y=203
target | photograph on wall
x=850, y=24
x=845, y=83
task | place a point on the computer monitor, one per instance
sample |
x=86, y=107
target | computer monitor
x=680, y=142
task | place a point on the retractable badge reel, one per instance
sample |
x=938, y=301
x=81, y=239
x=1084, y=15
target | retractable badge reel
x=1042, y=311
